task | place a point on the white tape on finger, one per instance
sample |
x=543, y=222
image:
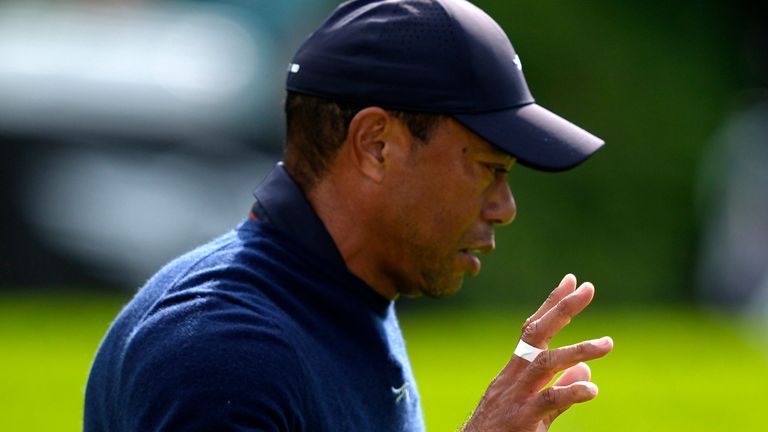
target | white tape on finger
x=526, y=351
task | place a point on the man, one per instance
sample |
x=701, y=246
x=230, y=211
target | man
x=404, y=118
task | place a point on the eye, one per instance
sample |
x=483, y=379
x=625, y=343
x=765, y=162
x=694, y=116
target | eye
x=497, y=169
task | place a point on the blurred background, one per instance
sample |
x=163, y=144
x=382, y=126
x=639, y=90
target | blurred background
x=132, y=131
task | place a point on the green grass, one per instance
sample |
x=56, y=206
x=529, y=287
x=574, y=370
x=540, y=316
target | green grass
x=46, y=348
x=672, y=369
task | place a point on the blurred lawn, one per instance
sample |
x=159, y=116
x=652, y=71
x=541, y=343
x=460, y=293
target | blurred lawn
x=672, y=369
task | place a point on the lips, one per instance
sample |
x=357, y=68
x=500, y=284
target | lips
x=470, y=261
x=480, y=248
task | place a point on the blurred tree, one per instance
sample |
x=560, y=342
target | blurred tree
x=653, y=79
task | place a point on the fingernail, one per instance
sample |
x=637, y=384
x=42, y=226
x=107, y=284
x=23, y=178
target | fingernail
x=605, y=341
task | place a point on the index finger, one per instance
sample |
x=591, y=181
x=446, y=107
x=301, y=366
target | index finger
x=565, y=287
x=540, y=331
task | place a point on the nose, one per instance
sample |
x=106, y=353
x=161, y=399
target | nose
x=500, y=208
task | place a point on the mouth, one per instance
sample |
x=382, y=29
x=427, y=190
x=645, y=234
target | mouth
x=479, y=248
x=470, y=261
x=469, y=256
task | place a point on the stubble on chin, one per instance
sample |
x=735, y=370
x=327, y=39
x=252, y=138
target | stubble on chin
x=441, y=286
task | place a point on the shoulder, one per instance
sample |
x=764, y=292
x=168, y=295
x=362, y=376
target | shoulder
x=211, y=364
x=209, y=345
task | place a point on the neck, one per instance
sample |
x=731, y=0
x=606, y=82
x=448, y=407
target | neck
x=348, y=220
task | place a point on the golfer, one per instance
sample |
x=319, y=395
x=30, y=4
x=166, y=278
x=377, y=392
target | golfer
x=403, y=120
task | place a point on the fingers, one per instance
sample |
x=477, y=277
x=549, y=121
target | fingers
x=565, y=287
x=572, y=375
x=541, y=330
x=580, y=372
x=572, y=387
x=557, y=399
x=518, y=387
x=556, y=312
x=549, y=363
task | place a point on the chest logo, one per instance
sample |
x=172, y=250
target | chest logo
x=401, y=393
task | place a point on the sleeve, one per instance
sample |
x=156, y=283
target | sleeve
x=228, y=371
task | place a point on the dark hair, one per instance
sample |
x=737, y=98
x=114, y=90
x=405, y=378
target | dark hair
x=317, y=126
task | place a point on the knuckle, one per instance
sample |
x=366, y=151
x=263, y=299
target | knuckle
x=564, y=310
x=530, y=331
x=527, y=321
x=543, y=362
x=580, y=349
x=549, y=396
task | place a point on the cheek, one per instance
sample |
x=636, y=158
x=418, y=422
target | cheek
x=453, y=212
x=441, y=202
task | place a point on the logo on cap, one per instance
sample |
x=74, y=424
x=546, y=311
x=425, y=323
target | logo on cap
x=293, y=67
x=515, y=60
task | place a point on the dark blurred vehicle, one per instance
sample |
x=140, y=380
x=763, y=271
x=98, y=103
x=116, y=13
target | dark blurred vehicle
x=129, y=132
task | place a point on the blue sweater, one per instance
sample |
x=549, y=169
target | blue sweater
x=263, y=329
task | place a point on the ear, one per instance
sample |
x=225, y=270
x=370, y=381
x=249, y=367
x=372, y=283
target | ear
x=374, y=138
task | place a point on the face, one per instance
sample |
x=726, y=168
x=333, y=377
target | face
x=448, y=195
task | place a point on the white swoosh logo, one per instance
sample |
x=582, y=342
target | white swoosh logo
x=401, y=393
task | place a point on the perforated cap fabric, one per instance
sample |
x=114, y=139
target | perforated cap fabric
x=440, y=56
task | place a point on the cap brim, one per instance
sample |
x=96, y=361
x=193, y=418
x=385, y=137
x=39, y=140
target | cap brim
x=537, y=137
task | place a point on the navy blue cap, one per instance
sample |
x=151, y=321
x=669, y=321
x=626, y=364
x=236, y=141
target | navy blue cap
x=439, y=56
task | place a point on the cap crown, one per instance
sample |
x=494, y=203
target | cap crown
x=445, y=56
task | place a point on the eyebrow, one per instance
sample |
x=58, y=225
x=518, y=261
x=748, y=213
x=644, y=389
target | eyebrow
x=497, y=155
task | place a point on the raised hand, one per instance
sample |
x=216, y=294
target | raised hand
x=516, y=400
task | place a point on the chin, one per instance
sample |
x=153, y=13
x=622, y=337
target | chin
x=446, y=288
